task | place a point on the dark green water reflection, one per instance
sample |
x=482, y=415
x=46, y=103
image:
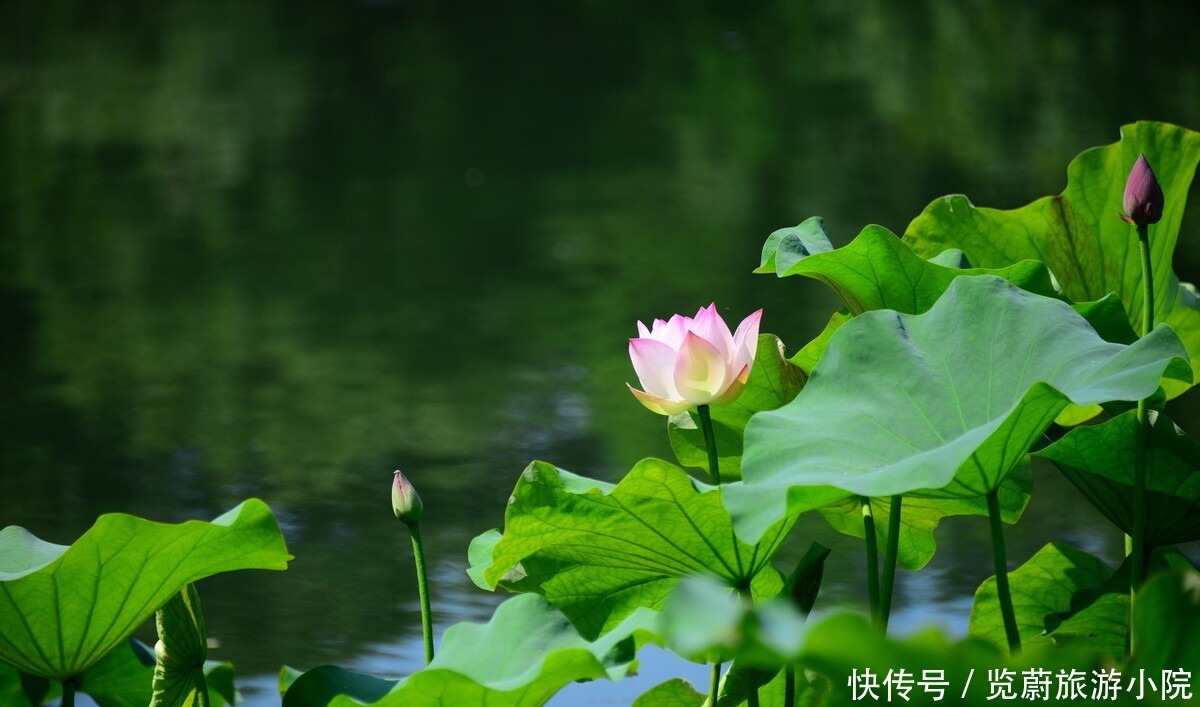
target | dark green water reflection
x=282, y=248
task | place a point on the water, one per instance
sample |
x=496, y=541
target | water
x=279, y=249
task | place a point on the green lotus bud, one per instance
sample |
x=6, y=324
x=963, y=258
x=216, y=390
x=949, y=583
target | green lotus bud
x=406, y=504
x=1144, y=199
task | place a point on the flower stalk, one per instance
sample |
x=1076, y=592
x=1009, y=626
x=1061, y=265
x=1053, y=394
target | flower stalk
x=889, y=561
x=407, y=506
x=1000, y=562
x=1143, y=203
x=710, y=444
x=872, y=560
x=714, y=471
x=423, y=590
x=1138, y=539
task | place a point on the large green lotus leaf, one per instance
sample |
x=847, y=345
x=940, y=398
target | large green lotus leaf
x=877, y=270
x=1079, y=235
x=1099, y=460
x=526, y=653
x=1058, y=595
x=920, y=517
x=773, y=382
x=1166, y=619
x=598, y=552
x=943, y=404
x=63, y=608
x=1106, y=315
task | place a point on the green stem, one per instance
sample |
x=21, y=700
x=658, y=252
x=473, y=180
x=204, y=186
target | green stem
x=423, y=590
x=68, y=693
x=789, y=686
x=748, y=600
x=1001, y=565
x=201, y=689
x=872, y=559
x=1139, y=468
x=714, y=683
x=1137, y=544
x=710, y=443
x=889, y=561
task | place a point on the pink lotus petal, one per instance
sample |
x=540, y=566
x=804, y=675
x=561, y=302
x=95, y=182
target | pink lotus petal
x=709, y=326
x=674, y=331
x=659, y=405
x=643, y=332
x=745, y=341
x=735, y=389
x=654, y=363
x=701, y=373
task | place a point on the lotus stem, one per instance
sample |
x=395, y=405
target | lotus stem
x=68, y=693
x=889, y=561
x=872, y=560
x=748, y=600
x=714, y=472
x=423, y=590
x=1001, y=565
x=789, y=686
x=1138, y=540
x=710, y=443
x=202, y=698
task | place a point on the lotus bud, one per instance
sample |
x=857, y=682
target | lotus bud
x=1143, y=196
x=406, y=504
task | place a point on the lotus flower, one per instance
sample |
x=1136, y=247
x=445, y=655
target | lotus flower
x=1144, y=199
x=406, y=504
x=684, y=362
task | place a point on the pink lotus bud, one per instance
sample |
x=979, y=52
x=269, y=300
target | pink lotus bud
x=406, y=504
x=1143, y=196
x=686, y=362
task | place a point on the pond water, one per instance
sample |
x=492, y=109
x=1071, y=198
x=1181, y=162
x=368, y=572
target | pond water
x=279, y=249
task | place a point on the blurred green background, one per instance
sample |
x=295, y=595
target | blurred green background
x=279, y=249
